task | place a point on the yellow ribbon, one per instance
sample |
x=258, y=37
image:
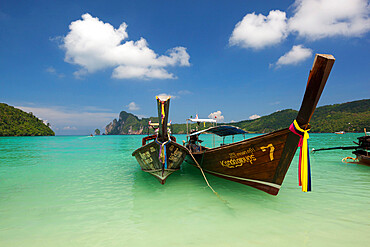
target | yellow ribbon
x=304, y=159
x=163, y=114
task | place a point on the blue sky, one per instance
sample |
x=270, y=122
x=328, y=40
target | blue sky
x=77, y=64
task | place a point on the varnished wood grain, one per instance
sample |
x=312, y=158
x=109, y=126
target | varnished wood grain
x=148, y=158
x=264, y=173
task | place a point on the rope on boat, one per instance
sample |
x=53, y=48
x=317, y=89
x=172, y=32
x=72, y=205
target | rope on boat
x=344, y=160
x=162, y=151
x=205, y=178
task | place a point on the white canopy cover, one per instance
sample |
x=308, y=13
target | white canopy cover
x=205, y=120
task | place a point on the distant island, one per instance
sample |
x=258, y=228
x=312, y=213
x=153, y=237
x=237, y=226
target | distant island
x=15, y=122
x=128, y=124
x=349, y=117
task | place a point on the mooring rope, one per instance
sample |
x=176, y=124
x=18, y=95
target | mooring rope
x=162, y=151
x=205, y=178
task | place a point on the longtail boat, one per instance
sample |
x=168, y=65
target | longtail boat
x=361, y=150
x=340, y=132
x=263, y=161
x=159, y=154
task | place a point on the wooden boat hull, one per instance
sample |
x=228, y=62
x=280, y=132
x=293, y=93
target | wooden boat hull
x=362, y=158
x=148, y=158
x=263, y=161
x=260, y=162
x=362, y=152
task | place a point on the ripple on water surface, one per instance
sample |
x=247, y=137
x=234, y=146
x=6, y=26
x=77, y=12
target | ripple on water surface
x=90, y=191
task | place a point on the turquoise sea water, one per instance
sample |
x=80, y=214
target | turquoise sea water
x=90, y=191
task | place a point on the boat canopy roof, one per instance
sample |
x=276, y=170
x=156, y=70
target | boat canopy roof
x=222, y=130
x=205, y=120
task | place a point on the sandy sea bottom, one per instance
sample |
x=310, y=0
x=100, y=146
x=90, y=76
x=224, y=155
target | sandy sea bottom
x=90, y=191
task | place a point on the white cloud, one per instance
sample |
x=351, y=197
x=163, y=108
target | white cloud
x=95, y=109
x=258, y=31
x=51, y=70
x=296, y=55
x=184, y=92
x=216, y=115
x=312, y=19
x=164, y=95
x=316, y=19
x=133, y=106
x=255, y=116
x=95, y=45
x=79, y=74
x=129, y=72
x=69, y=128
x=60, y=117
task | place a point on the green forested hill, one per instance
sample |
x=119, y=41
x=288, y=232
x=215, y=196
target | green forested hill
x=275, y=121
x=15, y=122
x=350, y=117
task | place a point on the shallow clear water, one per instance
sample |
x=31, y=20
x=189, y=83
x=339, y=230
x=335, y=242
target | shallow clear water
x=90, y=191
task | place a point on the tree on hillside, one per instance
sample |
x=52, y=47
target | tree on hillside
x=15, y=122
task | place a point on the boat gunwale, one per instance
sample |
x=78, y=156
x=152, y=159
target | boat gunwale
x=156, y=170
x=150, y=143
x=268, y=135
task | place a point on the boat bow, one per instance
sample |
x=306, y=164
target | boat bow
x=263, y=161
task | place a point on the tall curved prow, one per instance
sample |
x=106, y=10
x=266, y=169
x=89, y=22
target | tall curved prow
x=317, y=78
x=263, y=161
x=319, y=74
x=163, y=104
x=162, y=156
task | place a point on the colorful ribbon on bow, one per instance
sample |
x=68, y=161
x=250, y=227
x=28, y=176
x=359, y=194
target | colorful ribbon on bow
x=163, y=113
x=163, y=153
x=304, y=169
